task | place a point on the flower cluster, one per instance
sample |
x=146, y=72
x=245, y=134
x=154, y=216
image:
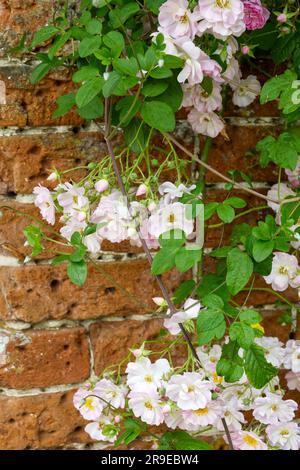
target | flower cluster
x=285, y=270
x=99, y=213
x=196, y=400
x=202, y=76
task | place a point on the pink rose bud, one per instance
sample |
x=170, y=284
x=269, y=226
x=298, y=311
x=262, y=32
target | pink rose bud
x=142, y=190
x=281, y=18
x=217, y=390
x=285, y=30
x=151, y=207
x=101, y=186
x=160, y=301
x=81, y=216
x=117, y=419
x=52, y=176
x=137, y=352
x=245, y=50
x=166, y=409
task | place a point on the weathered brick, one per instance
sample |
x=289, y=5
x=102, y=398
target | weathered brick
x=25, y=160
x=40, y=421
x=20, y=16
x=36, y=293
x=111, y=340
x=43, y=358
x=239, y=153
x=29, y=105
x=71, y=149
x=273, y=327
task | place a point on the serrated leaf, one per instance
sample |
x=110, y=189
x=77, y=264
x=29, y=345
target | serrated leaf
x=239, y=270
x=230, y=365
x=250, y=316
x=210, y=325
x=258, y=370
x=242, y=333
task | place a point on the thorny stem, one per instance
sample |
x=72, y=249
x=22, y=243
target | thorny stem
x=159, y=280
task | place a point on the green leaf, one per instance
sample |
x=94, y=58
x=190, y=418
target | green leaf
x=185, y=259
x=236, y=202
x=136, y=135
x=39, y=72
x=160, y=72
x=230, y=365
x=220, y=252
x=213, y=301
x=43, y=35
x=210, y=209
x=119, y=16
x=273, y=87
x=88, y=46
x=85, y=73
x=181, y=440
x=88, y=91
x=258, y=370
x=184, y=291
x=58, y=44
x=158, y=115
x=127, y=66
x=77, y=272
x=285, y=47
x=94, y=26
x=153, y=88
x=226, y=213
x=250, y=316
x=115, y=42
x=242, y=333
x=165, y=259
x=239, y=270
x=93, y=110
x=154, y=5
x=128, y=107
x=60, y=259
x=111, y=83
x=262, y=249
x=34, y=237
x=210, y=324
x=173, y=95
x=132, y=430
x=65, y=103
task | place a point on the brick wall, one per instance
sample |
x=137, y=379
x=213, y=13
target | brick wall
x=58, y=335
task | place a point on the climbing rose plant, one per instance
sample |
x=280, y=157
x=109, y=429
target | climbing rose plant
x=138, y=68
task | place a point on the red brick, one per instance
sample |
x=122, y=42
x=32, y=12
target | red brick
x=41, y=421
x=37, y=293
x=273, y=326
x=112, y=340
x=25, y=160
x=239, y=153
x=43, y=358
x=29, y=105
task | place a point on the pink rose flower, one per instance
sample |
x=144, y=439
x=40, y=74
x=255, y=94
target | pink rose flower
x=255, y=15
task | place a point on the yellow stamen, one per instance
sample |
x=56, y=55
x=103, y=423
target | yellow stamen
x=251, y=441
